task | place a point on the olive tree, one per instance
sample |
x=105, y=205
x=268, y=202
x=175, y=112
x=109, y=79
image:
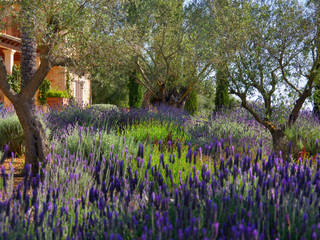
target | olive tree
x=54, y=31
x=277, y=64
x=165, y=52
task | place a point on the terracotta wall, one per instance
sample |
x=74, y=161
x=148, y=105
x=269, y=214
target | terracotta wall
x=11, y=28
x=57, y=78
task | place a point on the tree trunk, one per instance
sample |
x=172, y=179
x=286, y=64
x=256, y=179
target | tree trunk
x=35, y=139
x=316, y=101
x=280, y=143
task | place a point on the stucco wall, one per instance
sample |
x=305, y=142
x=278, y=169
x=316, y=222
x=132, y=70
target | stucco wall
x=80, y=89
x=57, y=78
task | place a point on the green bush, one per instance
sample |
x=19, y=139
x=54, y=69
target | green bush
x=303, y=137
x=57, y=93
x=43, y=91
x=14, y=79
x=154, y=131
x=86, y=143
x=11, y=133
x=104, y=107
x=191, y=105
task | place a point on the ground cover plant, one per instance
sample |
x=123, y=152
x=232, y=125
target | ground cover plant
x=120, y=183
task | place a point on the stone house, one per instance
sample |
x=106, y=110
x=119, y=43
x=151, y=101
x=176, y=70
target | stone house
x=79, y=86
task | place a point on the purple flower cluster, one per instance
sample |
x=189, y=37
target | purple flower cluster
x=123, y=196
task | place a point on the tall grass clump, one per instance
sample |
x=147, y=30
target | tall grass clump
x=11, y=133
x=304, y=134
x=153, y=131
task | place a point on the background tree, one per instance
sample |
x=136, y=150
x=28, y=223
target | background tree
x=315, y=4
x=191, y=105
x=135, y=91
x=277, y=64
x=222, y=99
x=166, y=56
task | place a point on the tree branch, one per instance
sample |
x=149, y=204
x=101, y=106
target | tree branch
x=30, y=89
x=269, y=125
x=146, y=78
x=305, y=94
x=190, y=87
x=4, y=85
x=286, y=79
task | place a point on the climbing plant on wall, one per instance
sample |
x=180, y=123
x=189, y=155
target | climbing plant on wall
x=14, y=79
x=43, y=90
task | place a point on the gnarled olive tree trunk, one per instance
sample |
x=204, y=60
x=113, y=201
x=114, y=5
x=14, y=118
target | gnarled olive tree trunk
x=280, y=143
x=35, y=139
x=23, y=102
x=36, y=148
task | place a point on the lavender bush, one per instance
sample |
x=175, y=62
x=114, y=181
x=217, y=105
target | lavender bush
x=103, y=184
x=235, y=126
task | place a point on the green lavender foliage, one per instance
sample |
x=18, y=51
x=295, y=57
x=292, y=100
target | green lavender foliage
x=11, y=133
x=191, y=105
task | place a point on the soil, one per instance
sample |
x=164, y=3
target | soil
x=18, y=164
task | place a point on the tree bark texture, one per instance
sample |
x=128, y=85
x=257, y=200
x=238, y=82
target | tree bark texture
x=280, y=143
x=24, y=104
x=35, y=139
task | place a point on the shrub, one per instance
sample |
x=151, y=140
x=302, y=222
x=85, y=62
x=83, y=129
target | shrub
x=304, y=134
x=225, y=124
x=191, y=105
x=155, y=130
x=11, y=133
x=105, y=107
x=43, y=91
x=57, y=93
x=59, y=121
x=85, y=142
x=14, y=79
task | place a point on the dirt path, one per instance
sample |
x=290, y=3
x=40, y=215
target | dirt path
x=18, y=164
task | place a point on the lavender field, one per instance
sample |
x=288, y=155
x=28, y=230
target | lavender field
x=164, y=175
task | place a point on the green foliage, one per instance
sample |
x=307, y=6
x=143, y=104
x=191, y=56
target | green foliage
x=135, y=91
x=86, y=143
x=105, y=107
x=68, y=81
x=154, y=131
x=15, y=84
x=57, y=93
x=11, y=133
x=222, y=99
x=236, y=123
x=191, y=105
x=43, y=91
x=14, y=79
x=316, y=97
x=206, y=96
x=303, y=137
x=114, y=91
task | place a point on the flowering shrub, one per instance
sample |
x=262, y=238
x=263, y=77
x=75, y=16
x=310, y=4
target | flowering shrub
x=234, y=126
x=97, y=184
